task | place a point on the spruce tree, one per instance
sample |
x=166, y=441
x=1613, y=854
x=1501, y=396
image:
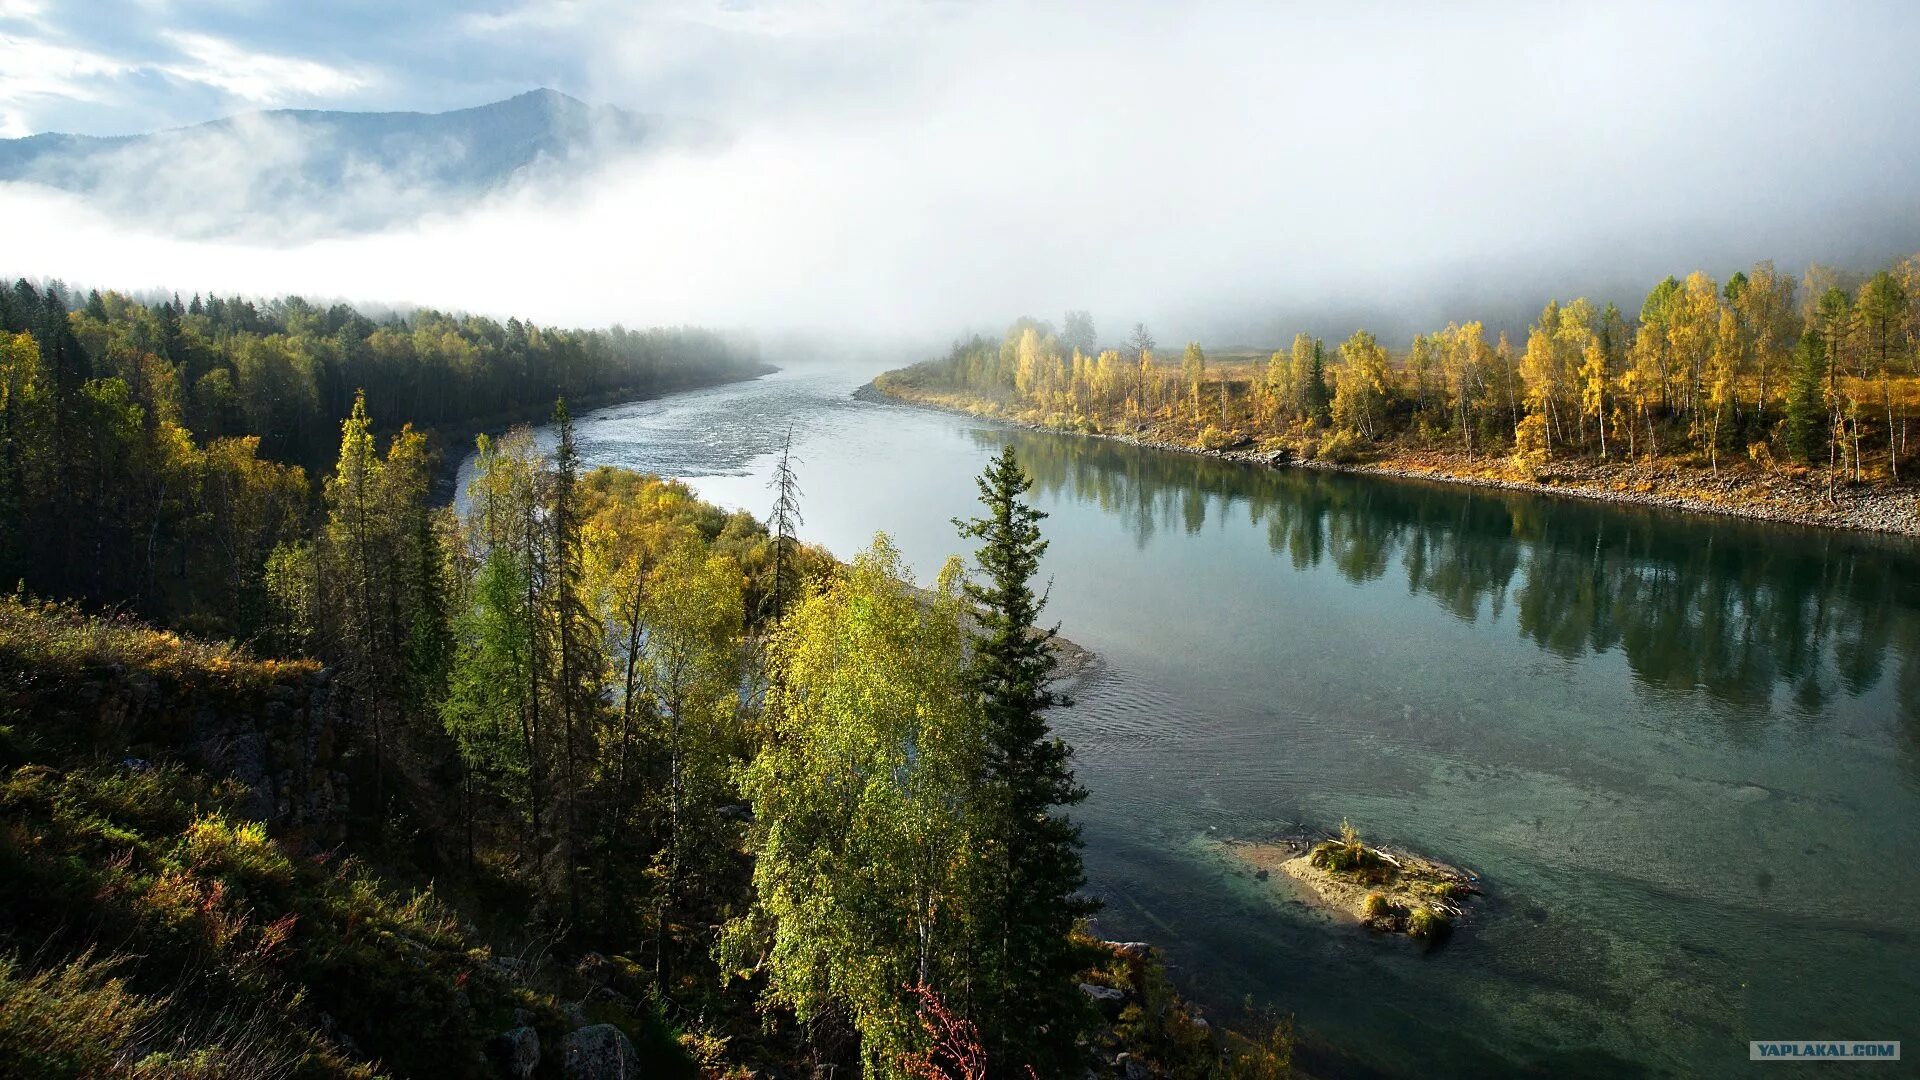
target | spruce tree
x=573, y=650
x=1319, y=396
x=1806, y=428
x=781, y=523
x=1029, y=1006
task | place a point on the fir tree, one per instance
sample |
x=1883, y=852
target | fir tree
x=1030, y=1007
x=1319, y=397
x=1806, y=400
x=786, y=515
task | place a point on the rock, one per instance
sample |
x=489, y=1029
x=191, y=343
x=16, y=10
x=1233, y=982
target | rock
x=594, y=968
x=1135, y=950
x=1132, y=1068
x=600, y=1052
x=523, y=1018
x=515, y=1052
x=1260, y=875
x=575, y=1016
x=1102, y=993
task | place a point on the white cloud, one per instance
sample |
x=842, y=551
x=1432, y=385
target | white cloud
x=258, y=77
x=33, y=70
x=926, y=173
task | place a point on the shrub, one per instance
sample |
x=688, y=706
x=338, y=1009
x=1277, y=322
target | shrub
x=1530, y=449
x=240, y=851
x=1347, y=853
x=1427, y=922
x=1374, y=907
x=77, y=1019
x=1342, y=447
x=1212, y=438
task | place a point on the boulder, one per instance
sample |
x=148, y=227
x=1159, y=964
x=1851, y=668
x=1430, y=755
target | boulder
x=600, y=1052
x=516, y=1052
x=595, y=969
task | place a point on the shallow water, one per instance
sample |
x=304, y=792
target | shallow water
x=1683, y=751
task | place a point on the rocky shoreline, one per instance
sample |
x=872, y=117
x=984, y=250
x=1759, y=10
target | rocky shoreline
x=1773, y=496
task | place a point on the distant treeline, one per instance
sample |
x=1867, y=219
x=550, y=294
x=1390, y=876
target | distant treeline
x=1820, y=370
x=152, y=455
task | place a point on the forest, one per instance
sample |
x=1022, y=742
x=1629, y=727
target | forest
x=152, y=456
x=1762, y=370
x=324, y=779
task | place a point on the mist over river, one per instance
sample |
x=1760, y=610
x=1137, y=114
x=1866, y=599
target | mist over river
x=1684, y=752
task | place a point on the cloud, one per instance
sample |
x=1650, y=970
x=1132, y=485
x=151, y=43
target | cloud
x=256, y=77
x=32, y=69
x=1230, y=171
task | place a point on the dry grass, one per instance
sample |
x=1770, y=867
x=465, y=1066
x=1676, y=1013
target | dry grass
x=56, y=638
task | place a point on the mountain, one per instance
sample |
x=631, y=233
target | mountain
x=310, y=171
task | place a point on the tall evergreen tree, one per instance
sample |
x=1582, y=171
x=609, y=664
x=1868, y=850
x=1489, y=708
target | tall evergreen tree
x=1030, y=1008
x=781, y=523
x=1806, y=429
x=576, y=665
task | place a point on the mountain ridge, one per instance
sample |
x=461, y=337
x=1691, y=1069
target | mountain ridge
x=324, y=171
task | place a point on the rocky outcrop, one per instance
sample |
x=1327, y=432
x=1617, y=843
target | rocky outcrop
x=516, y=1053
x=284, y=740
x=600, y=1052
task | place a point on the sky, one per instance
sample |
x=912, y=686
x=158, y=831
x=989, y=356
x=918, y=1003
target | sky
x=1227, y=170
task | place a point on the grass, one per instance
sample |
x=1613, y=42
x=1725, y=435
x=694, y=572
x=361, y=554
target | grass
x=52, y=640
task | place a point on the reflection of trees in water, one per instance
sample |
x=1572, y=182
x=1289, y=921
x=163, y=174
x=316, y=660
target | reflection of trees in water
x=1695, y=605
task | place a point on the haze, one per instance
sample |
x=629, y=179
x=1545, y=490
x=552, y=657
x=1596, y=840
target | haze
x=1233, y=172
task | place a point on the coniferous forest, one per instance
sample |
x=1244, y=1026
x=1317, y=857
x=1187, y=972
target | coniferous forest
x=156, y=455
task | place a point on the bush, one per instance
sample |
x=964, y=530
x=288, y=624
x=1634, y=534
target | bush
x=76, y=1019
x=1374, y=907
x=1346, y=854
x=1212, y=438
x=1530, y=448
x=1427, y=922
x=1342, y=447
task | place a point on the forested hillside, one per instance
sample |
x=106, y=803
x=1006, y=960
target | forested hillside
x=695, y=796
x=1762, y=373
x=154, y=455
x=593, y=777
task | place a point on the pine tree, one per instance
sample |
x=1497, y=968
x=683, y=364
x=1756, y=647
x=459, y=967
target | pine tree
x=1319, y=397
x=786, y=515
x=574, y=651
x=1806, y=400
x=1030, y=1007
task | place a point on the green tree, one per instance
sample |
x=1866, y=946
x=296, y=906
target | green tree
x=1030, y=1006
x=873, y=761
x=1806, y=430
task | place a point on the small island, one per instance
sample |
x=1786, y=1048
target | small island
x=1386, y=891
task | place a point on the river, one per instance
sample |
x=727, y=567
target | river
x=1684, y=752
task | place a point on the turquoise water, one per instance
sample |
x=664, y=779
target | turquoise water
x=1684, y=752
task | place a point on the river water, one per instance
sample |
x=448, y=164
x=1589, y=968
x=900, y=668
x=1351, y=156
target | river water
x=1684, y=752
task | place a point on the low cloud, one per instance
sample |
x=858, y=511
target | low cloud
x=1230, y=172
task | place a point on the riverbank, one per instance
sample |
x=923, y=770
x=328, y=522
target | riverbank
x=1742, y=490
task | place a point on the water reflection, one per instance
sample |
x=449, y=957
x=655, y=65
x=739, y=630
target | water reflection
x=1752, y=616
